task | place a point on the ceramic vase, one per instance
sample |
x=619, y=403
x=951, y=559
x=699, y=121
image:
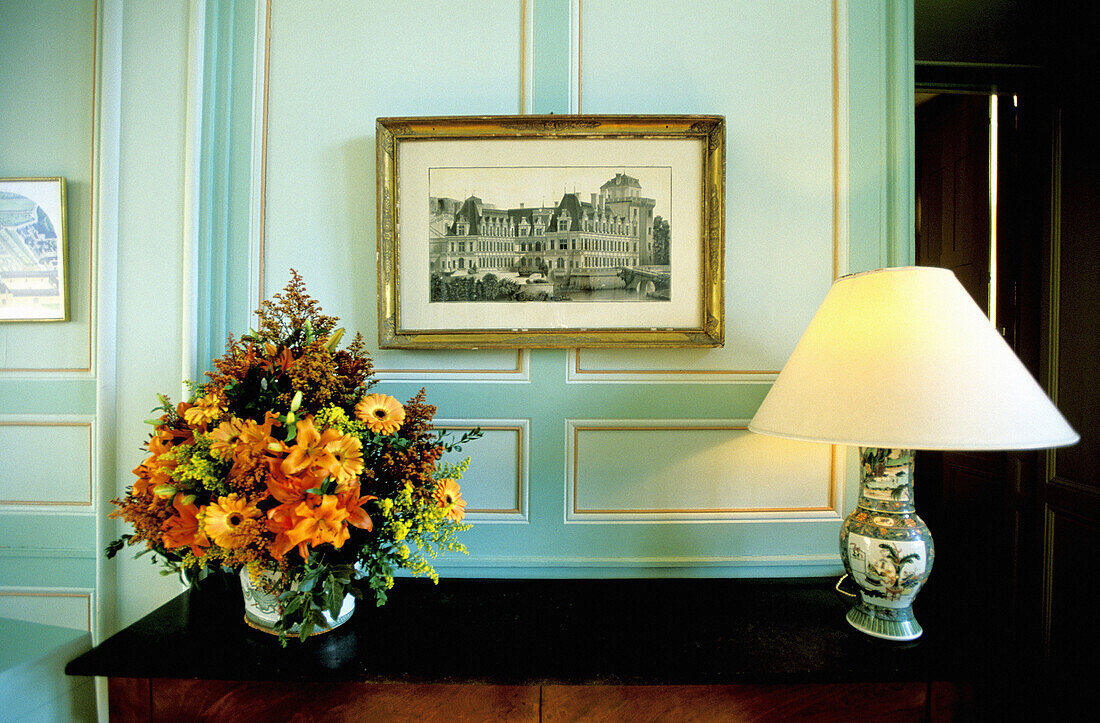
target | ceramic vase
x=261, y=609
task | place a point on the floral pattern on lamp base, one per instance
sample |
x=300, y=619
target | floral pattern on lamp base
x=886, y=548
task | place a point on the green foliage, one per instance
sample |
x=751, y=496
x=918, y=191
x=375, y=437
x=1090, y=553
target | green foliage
x=115, y=546
x=448, y=446
x=319, y=587
x=257, y=393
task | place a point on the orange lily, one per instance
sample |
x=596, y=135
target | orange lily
x=281, y=520
x=310, y=450
x=256, y=440
x=285, y=360
x=288, y=489
x=319, y=524
x=353, y=505
x=183, y=528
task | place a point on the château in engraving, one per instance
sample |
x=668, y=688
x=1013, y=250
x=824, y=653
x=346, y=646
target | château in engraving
x=611, y=247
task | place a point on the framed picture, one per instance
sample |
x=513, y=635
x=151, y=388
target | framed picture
x=551, y=231
x=32, y=250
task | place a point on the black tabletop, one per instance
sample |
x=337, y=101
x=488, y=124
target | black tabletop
x=661, y=632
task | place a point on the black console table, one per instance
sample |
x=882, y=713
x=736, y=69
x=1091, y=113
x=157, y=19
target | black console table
x=525, y=649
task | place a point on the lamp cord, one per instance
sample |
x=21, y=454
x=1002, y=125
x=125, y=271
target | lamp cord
x=845, y=593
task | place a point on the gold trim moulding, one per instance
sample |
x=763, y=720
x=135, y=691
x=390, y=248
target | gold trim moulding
x=551, y=126
x=706, y=329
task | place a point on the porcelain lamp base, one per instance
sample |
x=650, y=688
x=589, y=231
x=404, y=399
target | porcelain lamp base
x=886, y=548
x=886, y=623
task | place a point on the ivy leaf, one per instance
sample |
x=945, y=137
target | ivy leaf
x=114, y=547
x=335, y=601
x=293, y=605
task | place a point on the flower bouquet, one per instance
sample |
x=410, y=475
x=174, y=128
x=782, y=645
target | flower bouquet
x=281, y=467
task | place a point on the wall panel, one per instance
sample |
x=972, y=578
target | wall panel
x=63, y=609
x=388, y=58
x=694, y=470
x=771, y=70
x=495, y=488
x=48, y=73
x=26, y=446
x=48, y=425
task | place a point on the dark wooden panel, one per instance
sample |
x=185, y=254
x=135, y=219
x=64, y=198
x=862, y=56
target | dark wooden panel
x=128, y=699
x=952, y=145
x=1078, y=334
x=846, y=701
x=1072, y=492
x=1073, y=540
x=950, y=702
x=242, y=702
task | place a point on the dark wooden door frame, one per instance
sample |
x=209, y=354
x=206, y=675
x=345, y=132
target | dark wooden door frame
x=1014, y=482
x=1049, y=267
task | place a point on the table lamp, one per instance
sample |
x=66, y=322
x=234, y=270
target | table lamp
x=896, y=360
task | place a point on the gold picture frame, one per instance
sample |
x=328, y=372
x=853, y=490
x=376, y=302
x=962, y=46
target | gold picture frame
x=33, y=250
x=496, y=231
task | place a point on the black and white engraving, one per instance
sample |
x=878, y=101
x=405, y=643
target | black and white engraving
x=605, y=234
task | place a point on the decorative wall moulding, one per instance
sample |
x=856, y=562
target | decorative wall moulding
x=32, y=250
x=551, y=231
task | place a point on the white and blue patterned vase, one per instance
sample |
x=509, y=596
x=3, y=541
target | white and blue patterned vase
x=261, y=609
x=886, y=548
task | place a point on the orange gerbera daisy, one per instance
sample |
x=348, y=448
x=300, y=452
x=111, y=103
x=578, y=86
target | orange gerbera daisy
x=225, y=438
x=448, y=495
x=206, y=409
x=225, y=521
x=348, y=453
x=183, y=529
x=382, y=413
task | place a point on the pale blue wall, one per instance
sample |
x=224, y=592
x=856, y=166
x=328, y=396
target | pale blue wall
x=818, y=152
x=47, y=371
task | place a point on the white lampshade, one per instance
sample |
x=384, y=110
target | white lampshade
x=904, y=358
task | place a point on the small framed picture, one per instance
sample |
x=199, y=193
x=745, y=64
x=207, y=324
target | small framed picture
x=33, y=264
x=551, y=231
